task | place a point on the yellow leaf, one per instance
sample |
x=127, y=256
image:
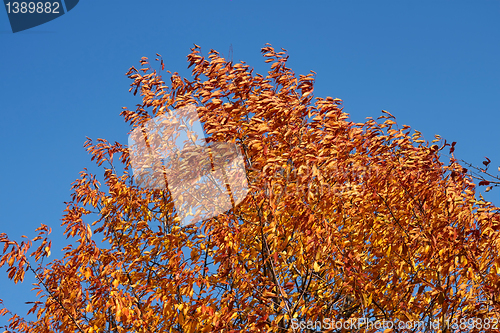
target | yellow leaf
x=316, y=267
x=304, y=95
x=268, y=294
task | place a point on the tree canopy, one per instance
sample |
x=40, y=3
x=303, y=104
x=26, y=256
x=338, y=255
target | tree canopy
x=342, y=221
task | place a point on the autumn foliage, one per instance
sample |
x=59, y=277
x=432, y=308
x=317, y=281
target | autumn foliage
x=343, y=220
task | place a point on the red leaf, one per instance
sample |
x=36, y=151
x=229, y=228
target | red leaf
x=452, y=149
x=484, y=182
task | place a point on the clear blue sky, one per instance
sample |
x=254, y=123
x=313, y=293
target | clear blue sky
x=433, y=64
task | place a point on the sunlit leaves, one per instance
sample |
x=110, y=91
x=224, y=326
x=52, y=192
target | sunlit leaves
x=342, y=221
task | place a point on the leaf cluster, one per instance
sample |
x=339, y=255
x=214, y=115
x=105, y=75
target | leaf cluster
x=342, y=220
